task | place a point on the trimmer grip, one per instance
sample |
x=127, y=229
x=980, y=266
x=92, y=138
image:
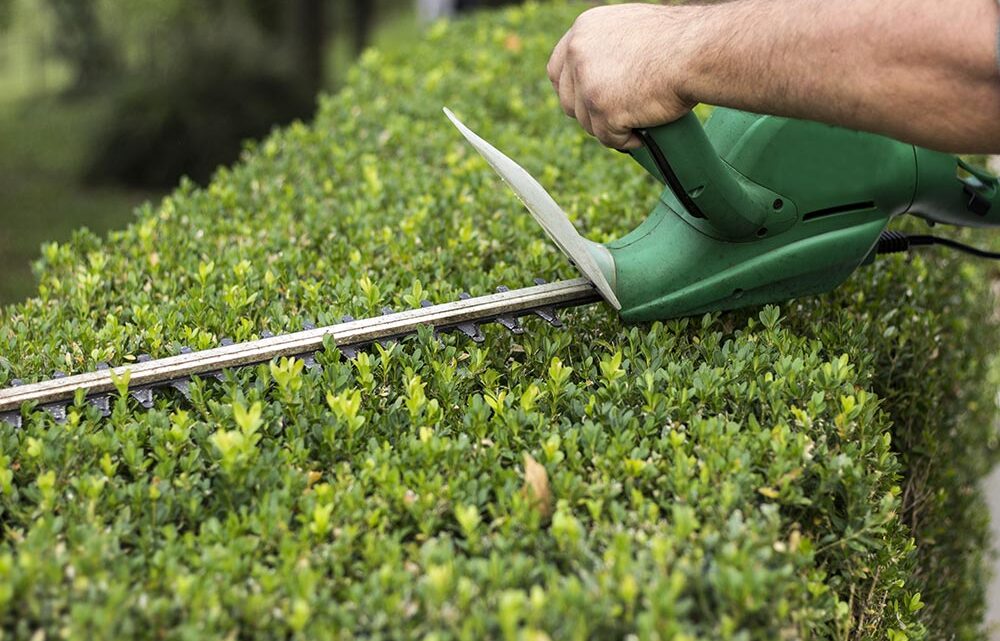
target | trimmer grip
x=680, y=155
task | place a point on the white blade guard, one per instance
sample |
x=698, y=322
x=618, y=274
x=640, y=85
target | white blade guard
x=545, y=210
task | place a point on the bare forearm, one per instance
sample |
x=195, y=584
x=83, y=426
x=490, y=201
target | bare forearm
x=920, y=70
x=924, y=71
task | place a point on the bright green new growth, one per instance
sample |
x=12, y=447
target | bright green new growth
x=808, y=473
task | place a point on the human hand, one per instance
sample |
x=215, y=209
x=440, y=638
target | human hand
x=623, y=67
x=629, y=66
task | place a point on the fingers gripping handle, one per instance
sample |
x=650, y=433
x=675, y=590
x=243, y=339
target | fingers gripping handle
x=681, y=156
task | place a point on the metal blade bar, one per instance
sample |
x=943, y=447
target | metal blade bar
x=512, y=303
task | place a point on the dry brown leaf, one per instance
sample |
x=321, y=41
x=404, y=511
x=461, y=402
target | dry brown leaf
x=536, y=486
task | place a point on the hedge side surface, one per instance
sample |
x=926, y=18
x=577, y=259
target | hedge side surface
x=807, y=472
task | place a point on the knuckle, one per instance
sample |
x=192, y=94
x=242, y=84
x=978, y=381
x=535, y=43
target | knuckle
x=616, y=126
x=607, y=139
x=574, y=50
x=592, y=101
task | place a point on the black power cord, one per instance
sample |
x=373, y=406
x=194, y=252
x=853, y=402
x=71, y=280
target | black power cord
x=890, y=242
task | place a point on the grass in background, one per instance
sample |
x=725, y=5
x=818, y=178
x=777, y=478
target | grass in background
x=44, y=140
x=42, y=146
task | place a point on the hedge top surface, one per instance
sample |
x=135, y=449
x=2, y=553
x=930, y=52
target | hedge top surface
x=728, y=477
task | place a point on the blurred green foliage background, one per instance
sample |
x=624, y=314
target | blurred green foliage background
x=107, y=103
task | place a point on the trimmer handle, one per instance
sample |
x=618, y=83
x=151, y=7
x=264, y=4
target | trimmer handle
x=681, y=156
x=954, y=192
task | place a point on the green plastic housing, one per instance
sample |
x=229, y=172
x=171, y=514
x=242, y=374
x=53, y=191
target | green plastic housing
x=760, y=209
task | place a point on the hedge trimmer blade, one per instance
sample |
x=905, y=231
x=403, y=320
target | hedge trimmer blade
x=176, y=372
x=546, y=211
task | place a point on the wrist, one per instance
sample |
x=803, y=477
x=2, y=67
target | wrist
x=740, y=54
x=693, y=61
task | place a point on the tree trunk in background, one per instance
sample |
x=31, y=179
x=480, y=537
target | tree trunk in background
x=270, y=15
x=6, y=11
x=363, y=15
x=82, y=43
x=309, y=35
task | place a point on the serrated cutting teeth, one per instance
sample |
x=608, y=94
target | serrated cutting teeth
x=183, y=386
x=148, y=376
x=424, y=304
x=386, y=311
x=508, y=321
x=349, y=351
x=548, y=314
x=143, y=396
x=470, y=329
x=101, y=403
x=12, y=418
x=309, y=361
x=218, y=375
x=57, y=411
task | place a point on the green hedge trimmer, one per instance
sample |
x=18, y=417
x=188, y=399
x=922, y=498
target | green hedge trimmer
x=755, y=209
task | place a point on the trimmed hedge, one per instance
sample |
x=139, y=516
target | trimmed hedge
x=808, y=472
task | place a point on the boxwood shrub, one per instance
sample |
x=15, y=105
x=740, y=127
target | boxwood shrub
x=806, y=471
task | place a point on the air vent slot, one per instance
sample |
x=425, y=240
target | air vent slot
x=839, y=209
